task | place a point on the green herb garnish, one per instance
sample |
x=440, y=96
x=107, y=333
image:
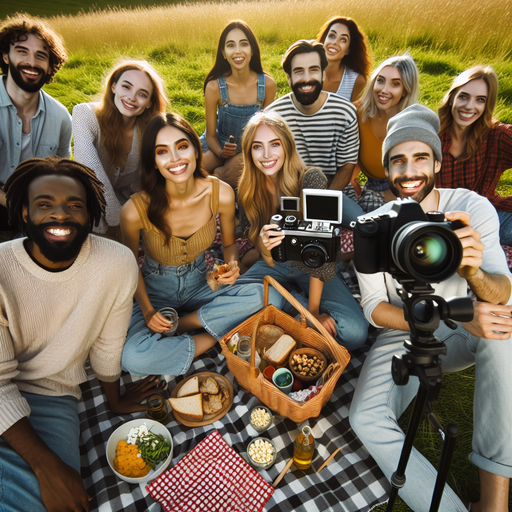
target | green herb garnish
x=153, y=448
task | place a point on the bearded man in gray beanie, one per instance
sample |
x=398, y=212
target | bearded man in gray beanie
x=412, y=157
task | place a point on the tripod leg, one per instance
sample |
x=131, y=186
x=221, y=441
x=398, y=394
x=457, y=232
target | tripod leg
x=398, y=477
x=451, y=434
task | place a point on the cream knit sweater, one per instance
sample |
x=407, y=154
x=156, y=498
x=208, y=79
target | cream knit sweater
x=51, y=321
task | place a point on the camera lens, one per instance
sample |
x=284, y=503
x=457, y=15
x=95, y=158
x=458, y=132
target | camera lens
x=314, y=255
x=427, y=251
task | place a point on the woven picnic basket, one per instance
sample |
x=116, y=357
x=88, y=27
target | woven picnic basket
x=252, y=379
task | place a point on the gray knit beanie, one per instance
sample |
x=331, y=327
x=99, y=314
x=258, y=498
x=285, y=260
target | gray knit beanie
x=415, y=123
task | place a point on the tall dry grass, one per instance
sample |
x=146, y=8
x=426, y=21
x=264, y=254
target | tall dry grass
x=479, y=27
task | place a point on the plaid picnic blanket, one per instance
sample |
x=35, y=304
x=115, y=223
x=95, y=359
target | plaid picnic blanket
x=351, y=482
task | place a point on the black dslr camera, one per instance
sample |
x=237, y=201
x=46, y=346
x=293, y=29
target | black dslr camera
x=315, y=240
x=407, y=243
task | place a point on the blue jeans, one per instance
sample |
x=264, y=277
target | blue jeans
x=505, y=228
x=55, y=420
x=378, y=403
x=337, y=301
x=185, y=289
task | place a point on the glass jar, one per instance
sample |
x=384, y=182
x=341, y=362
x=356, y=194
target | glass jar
x=157, y=408
x=303, y=449
x=244, y=348
x=171, y=315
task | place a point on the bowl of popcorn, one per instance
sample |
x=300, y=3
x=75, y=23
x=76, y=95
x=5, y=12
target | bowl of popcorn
x=262, y=453
x=307, y=364
x=261, y=418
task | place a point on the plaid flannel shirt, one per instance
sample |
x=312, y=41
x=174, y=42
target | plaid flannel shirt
x=482, y=172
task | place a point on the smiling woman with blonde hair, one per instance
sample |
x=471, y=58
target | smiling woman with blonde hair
x=273, y=169
x=392, y=87
x=477, y=149
x=107, y=134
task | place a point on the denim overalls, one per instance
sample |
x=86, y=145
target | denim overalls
x=231, y=119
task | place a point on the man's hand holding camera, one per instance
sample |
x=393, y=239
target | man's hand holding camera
x=491, y=320
x=473, y=249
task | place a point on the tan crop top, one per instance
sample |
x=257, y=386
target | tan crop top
x=178, y=251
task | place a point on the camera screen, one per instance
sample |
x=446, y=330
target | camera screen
x=322, y=207
x=290, y=204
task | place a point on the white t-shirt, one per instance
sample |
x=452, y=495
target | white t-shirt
x=26, y=147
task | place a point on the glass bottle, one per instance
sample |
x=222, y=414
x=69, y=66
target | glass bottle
x=303, y=449
x=157, y=408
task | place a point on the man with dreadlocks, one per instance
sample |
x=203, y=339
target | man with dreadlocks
x=32, y=123
x=65, y=294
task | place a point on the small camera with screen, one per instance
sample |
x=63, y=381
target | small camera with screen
x=316, y=239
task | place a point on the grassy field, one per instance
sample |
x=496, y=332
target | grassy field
x=444, y=36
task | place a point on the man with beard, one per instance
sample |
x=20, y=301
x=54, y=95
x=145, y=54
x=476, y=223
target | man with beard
x=411, y=157
x=324, y=125
x=65, y=295
x=32, y=123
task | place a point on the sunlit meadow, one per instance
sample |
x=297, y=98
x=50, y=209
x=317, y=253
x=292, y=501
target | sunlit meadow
x=444, y=36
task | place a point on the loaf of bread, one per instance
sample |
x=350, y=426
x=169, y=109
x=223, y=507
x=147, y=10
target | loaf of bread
x=190, y=407
x=277, y=354
x=191, y=387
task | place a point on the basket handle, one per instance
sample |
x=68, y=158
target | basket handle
x=304, y=313
x=252, y=358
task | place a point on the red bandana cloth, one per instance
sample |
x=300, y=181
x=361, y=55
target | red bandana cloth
x=213, y=478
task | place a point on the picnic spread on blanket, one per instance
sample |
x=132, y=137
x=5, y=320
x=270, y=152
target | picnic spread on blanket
x=236, y=438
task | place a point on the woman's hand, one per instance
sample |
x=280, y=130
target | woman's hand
x=270, y=237
x=156, y=321
x=231, y=275
x=327, y=321
x=229, y=148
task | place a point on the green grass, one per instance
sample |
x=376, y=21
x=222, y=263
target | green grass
x=180, y=42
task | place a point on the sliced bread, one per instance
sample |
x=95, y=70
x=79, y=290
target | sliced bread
x=277, y=354
x=190, y=407
x=209, y=386
x=191, y=387
x=212, y=404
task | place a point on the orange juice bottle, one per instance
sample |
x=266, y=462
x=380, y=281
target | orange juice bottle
x=303, y=449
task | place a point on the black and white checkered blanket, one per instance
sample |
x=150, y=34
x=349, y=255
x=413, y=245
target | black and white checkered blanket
x=350, y=482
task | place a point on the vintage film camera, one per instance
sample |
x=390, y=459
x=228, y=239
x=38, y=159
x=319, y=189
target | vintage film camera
x=316, y=239
x=407, y=243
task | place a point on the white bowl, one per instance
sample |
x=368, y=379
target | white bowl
x=121, y=433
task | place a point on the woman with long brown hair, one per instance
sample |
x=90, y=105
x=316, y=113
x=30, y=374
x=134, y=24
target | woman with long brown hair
x=175, y=213
x=234, y=90
x=107, y=134
x=477, y=149
x=273, y=169
x=348, y=55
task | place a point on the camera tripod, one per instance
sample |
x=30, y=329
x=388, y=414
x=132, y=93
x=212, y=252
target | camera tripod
x=424, y=311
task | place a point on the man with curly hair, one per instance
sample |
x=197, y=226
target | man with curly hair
x=32, y=123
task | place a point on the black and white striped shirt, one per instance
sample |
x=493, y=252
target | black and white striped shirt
x=328, y=138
